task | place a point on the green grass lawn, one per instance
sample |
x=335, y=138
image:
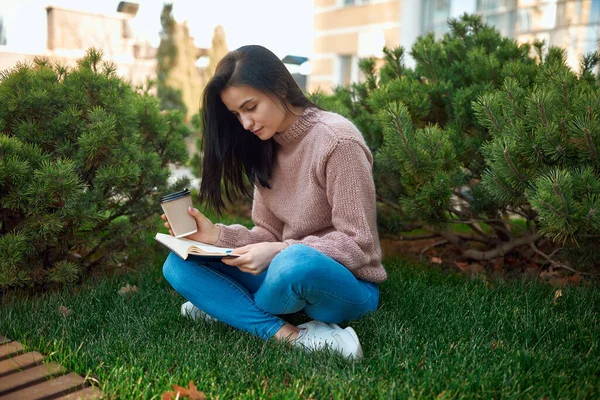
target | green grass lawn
x=436, y=335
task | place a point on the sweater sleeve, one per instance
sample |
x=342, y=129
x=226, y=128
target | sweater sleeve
x=351, y=195
x=267, y=227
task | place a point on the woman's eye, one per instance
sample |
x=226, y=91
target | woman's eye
x=252, y=108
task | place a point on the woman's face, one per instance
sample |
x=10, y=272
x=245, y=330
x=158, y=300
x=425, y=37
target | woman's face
x=258, y=112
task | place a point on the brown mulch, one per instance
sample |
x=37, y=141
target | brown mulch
x=509, y=267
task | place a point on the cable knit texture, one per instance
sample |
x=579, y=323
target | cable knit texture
x=322, y=195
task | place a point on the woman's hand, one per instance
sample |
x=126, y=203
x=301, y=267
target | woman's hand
x=255, y=258
x=207, y=231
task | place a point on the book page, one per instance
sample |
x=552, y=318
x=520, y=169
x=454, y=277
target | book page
x=183, y=246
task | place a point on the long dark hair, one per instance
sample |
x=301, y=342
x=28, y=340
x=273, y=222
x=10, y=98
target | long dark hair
x=230, y=152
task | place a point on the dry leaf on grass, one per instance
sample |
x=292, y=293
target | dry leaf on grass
x=180, y=392
x=64, y=311
x=558, y=281
x=498, y=265
x=557, y=295
x=467, y=268
x=566, y=280
x=575, y=279
x=128, y=290
x=549, y=274
x=476, y=268
x=464, y=267
x=436, y=260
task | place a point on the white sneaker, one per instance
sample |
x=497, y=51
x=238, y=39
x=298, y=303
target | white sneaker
x=191, y=311
x=317, y=335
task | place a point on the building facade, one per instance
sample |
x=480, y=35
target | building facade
x=72, y=32
x=345, y=31
x=348, y=30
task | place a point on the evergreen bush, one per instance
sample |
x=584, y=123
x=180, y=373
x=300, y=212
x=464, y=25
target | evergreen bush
x=83, y=160
x=482, y=131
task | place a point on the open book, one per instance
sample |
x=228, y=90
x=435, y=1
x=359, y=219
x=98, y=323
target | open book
x=186, y=247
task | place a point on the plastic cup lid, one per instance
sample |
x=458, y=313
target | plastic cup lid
x=175, y=196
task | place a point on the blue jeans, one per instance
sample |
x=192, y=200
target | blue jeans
x=298, y=278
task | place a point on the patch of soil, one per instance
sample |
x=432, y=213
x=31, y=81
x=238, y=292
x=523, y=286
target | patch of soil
x=448, y=257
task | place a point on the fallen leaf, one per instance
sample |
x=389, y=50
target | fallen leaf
x=557, y=295
x=180, y=392
x=127, y=290
x=194, y=393
x=498, y=265
x=464, y=267
x=549, y=273
x=467, y=268
x=476, y=268
x=559, y=281
x=64, y=311
x=575, y=279
x=436, y=260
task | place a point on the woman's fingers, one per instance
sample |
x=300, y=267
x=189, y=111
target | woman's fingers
x=167, y=225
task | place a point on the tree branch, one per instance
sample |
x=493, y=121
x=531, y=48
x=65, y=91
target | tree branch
x=557, y=264
x=500, y=250
x=441, y=242
x=389, y=203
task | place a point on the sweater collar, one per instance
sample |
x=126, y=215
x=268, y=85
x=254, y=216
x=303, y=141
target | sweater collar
x=298, y=128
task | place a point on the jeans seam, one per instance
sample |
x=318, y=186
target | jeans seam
x=340, y=298
x=280, y=323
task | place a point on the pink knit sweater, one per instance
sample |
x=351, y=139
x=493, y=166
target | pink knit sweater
x=322, y=195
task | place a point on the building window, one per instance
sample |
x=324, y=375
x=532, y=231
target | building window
x=595, y=11
x=2, y=32
x=347, y=3
x=502, y=15
x=484, y=6
x=524, y=20
x=345, y=70
x=591, y=37
x=435, y=16
x=503, y=22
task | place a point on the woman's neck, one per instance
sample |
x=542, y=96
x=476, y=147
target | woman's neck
x=293, y=115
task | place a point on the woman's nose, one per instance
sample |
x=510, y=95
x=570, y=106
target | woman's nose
x=247, y=122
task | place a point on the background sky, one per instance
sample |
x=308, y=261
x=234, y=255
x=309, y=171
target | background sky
x=283, y=26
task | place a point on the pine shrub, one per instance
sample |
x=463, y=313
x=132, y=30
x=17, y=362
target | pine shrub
x=83, y=160
x=483, y=132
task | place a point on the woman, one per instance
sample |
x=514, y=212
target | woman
x=314, y=246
